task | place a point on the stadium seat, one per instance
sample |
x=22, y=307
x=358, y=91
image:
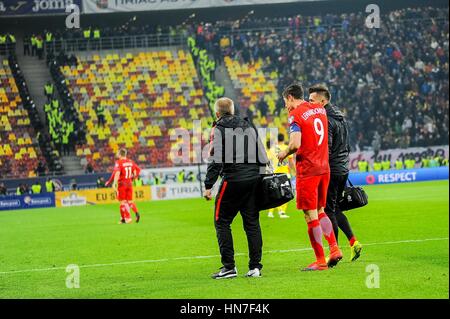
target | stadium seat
x=18, y=151
x=254, y=84
x=145, y=94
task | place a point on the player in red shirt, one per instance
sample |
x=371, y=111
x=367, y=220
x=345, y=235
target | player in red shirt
x=309, y=140
x=125, y=170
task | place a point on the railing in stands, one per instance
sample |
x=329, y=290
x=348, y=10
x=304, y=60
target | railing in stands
x=116, y=43
x=159, y=40
x=7, y=48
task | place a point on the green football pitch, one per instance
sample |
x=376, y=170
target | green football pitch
x=173, y=251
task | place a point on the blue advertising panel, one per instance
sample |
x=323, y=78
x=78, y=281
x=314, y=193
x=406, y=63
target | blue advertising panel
x=27, y=201
x=399, y=176
x=34, y=7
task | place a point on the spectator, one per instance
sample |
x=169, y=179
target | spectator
x=49, y=91
x=190, y=177
x=89, y=168
x=41, y=169
x=36, y=188
x=27, y=45
x=100, y=111
x=49, y=186
x=137, y=182
x=263, y=107
x=101, y=182
x=181, y=176
x=73, y=184
x=22, y=189
x=3, y=190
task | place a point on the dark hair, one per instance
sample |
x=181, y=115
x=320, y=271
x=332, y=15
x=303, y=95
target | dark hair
x=295, y=90
x=122, y=152
x=280, y=137
x=320, y=89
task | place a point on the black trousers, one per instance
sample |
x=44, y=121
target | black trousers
x=234, y=197
x=66, y=148
x=334, y=195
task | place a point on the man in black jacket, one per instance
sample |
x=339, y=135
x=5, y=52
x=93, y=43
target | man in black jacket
x=339, y=151
x=237, y=155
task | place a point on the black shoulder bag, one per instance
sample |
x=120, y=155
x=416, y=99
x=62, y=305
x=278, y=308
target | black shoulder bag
x=354, y=197
x=274, y=189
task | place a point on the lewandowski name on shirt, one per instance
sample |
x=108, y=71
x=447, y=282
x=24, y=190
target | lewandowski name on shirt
x=317, y=110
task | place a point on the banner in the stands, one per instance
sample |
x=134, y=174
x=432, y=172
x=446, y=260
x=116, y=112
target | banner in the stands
x=36, y=7
x=108, y=6
x=417, y=153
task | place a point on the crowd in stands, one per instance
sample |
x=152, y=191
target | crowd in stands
x=95, y=38
x=7, y=43
x=365, y=68
x=391, y=82
x=65, y=127
x=24, y=151
x=206, y=68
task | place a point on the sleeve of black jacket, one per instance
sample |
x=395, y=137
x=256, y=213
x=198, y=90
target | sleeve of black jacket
x=331, y=132
x=214, y=168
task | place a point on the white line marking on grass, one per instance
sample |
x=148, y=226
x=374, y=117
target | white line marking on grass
x=207, y=257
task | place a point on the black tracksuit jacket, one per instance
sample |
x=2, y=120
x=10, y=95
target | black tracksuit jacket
x=338, y=141
x=240, y=166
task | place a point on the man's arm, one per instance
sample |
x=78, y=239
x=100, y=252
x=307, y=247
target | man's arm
x=213, y=170
x=136, y=170
x=331, y=130
x=115, y=170
x=110, y=180
x=291, y=165
x=116, y=180
x=295, y=141
x=212, y=174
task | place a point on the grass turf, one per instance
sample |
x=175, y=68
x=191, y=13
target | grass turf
x=405, y=227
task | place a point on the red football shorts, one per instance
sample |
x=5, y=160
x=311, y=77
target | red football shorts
x=312, y=191
x=125, y=193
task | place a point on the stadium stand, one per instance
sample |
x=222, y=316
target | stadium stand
x=257, y=92
x=390, y=81
x=20, y=145
x=145, y=96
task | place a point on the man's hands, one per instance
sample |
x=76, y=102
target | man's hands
x=207, y=194
x=281, y=156
x=114, y=186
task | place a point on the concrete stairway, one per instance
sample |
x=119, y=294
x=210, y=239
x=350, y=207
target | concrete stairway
x=36, y=75
x=72, y=165
x=223, y=79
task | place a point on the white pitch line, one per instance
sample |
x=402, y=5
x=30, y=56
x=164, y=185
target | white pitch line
x=211, y=256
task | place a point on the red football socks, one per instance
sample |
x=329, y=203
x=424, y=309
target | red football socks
x=327, y=229
x=133, y=207
x=352, y=241
x=315, y=237
x=125, y=211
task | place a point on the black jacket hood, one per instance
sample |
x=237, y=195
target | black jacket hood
x=229, y=121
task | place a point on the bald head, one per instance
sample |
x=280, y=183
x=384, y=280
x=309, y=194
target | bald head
x=224, y=106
